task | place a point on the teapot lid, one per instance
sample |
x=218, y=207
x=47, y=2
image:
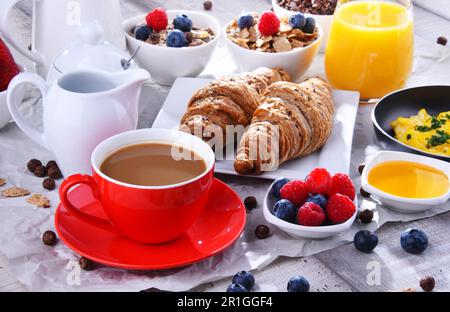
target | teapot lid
x=91, y=51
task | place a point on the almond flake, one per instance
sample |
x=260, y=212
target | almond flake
x=281, y=44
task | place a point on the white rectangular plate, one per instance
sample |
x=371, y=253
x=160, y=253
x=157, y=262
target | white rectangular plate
x=335, y=155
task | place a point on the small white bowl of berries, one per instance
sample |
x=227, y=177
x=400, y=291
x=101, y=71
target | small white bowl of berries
x=318, y=207
x=173, y=43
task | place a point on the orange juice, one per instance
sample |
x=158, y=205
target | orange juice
x=370, y=48
x=409, y=179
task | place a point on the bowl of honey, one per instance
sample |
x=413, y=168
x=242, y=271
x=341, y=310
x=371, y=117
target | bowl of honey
x=407, y=182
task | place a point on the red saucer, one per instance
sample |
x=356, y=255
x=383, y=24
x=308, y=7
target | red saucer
x=221, y=224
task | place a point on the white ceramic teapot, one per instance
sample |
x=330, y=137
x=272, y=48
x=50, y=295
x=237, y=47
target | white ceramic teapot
x=81, y=109
x=56, y=23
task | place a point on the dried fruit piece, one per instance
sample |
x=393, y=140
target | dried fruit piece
x=86, y=264
x=207, y=5
x=54, y=173
x=250, y=203
x=15, y=192
x=50, y=164
x=49, y=184
x=427, y=283
x=442, y=40
x=262, y=232
x=40, y=171
x=39, y=200
x=33, y=164
x=366, y=216
x=49, y=238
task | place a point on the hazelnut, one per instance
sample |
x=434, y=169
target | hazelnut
x=54, y=173
x=50, y=164
x=86, y=264
x=250, y=203
x=207, y=5
x=442, y=40
x=33, y=164
x=366, y=216
x=49, y=184
x=427, y=283
x=49, y=238
x=40, y=171
x=262, y=232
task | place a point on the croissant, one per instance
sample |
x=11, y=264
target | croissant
x=228, y=101
x=293, y=121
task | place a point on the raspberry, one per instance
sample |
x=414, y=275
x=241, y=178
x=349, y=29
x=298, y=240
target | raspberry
x=340, y=208
x=318, y=181
x=296, y=192
x=157, y=19
x=310, y=214
x=269, y=24
x=341, y=183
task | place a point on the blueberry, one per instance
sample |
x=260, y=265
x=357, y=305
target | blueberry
x=318, y=199
x=245, y=279
x=298, y=284
x=284, y=210
x=297, y=20
x=245, y=21
x=176, y=39
x=365, y=241
x=310, y=25
x=183, y=23
x=414, y=241
x=236, y=288
x=278, y=185
x=142, y=32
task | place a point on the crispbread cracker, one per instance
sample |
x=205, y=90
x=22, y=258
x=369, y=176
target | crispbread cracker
x=15, y=192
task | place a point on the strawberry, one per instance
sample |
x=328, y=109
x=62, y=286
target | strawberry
x=342, y=184
x=340, y=208
x=295, y=191
x=268, y=24
x=8, y=67
x=157, y=19
x=318, y=181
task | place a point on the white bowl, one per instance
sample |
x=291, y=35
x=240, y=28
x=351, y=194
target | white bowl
x=402, y=204
x=5, y=116
x=301, y=231
x=166, y=64
x=296, y=61
x=323, y=20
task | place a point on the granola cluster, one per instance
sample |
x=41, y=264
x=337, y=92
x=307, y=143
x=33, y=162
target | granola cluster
x=287, y=38
x=316, y=7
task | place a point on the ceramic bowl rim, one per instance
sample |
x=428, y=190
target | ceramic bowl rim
x=131, y=22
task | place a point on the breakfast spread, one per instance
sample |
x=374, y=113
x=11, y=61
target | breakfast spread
x=228, y=101
x=181, y=32
x=429, y=133
x=269, y=33
x=112, y=171
x=409, y=179
x=316, y=7
x=292, y=121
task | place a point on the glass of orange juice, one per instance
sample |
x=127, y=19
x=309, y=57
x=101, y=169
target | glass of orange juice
x=370, y=48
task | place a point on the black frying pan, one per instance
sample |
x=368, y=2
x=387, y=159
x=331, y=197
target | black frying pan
x=408, y=102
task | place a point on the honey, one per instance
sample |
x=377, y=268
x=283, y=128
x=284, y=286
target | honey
x=409, y=179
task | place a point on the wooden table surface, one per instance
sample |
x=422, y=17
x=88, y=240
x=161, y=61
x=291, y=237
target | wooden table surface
x=333, y=270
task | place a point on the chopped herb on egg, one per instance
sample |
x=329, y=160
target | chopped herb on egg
x=441, y=138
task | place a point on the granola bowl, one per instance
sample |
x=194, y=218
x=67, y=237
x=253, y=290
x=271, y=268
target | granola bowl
x=166, y=64
x=323, y=20
x=296, y=61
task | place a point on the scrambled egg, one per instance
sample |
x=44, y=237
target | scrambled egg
x=425, y=132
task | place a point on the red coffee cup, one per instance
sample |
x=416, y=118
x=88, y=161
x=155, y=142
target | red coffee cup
x=146, y=214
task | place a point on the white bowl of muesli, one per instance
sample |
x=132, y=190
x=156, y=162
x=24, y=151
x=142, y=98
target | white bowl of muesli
x=289, y=48
x=158, y=55
x=321, y=10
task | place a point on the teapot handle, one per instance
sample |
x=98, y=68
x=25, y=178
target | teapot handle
x=5, y=9
x=15, y=97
